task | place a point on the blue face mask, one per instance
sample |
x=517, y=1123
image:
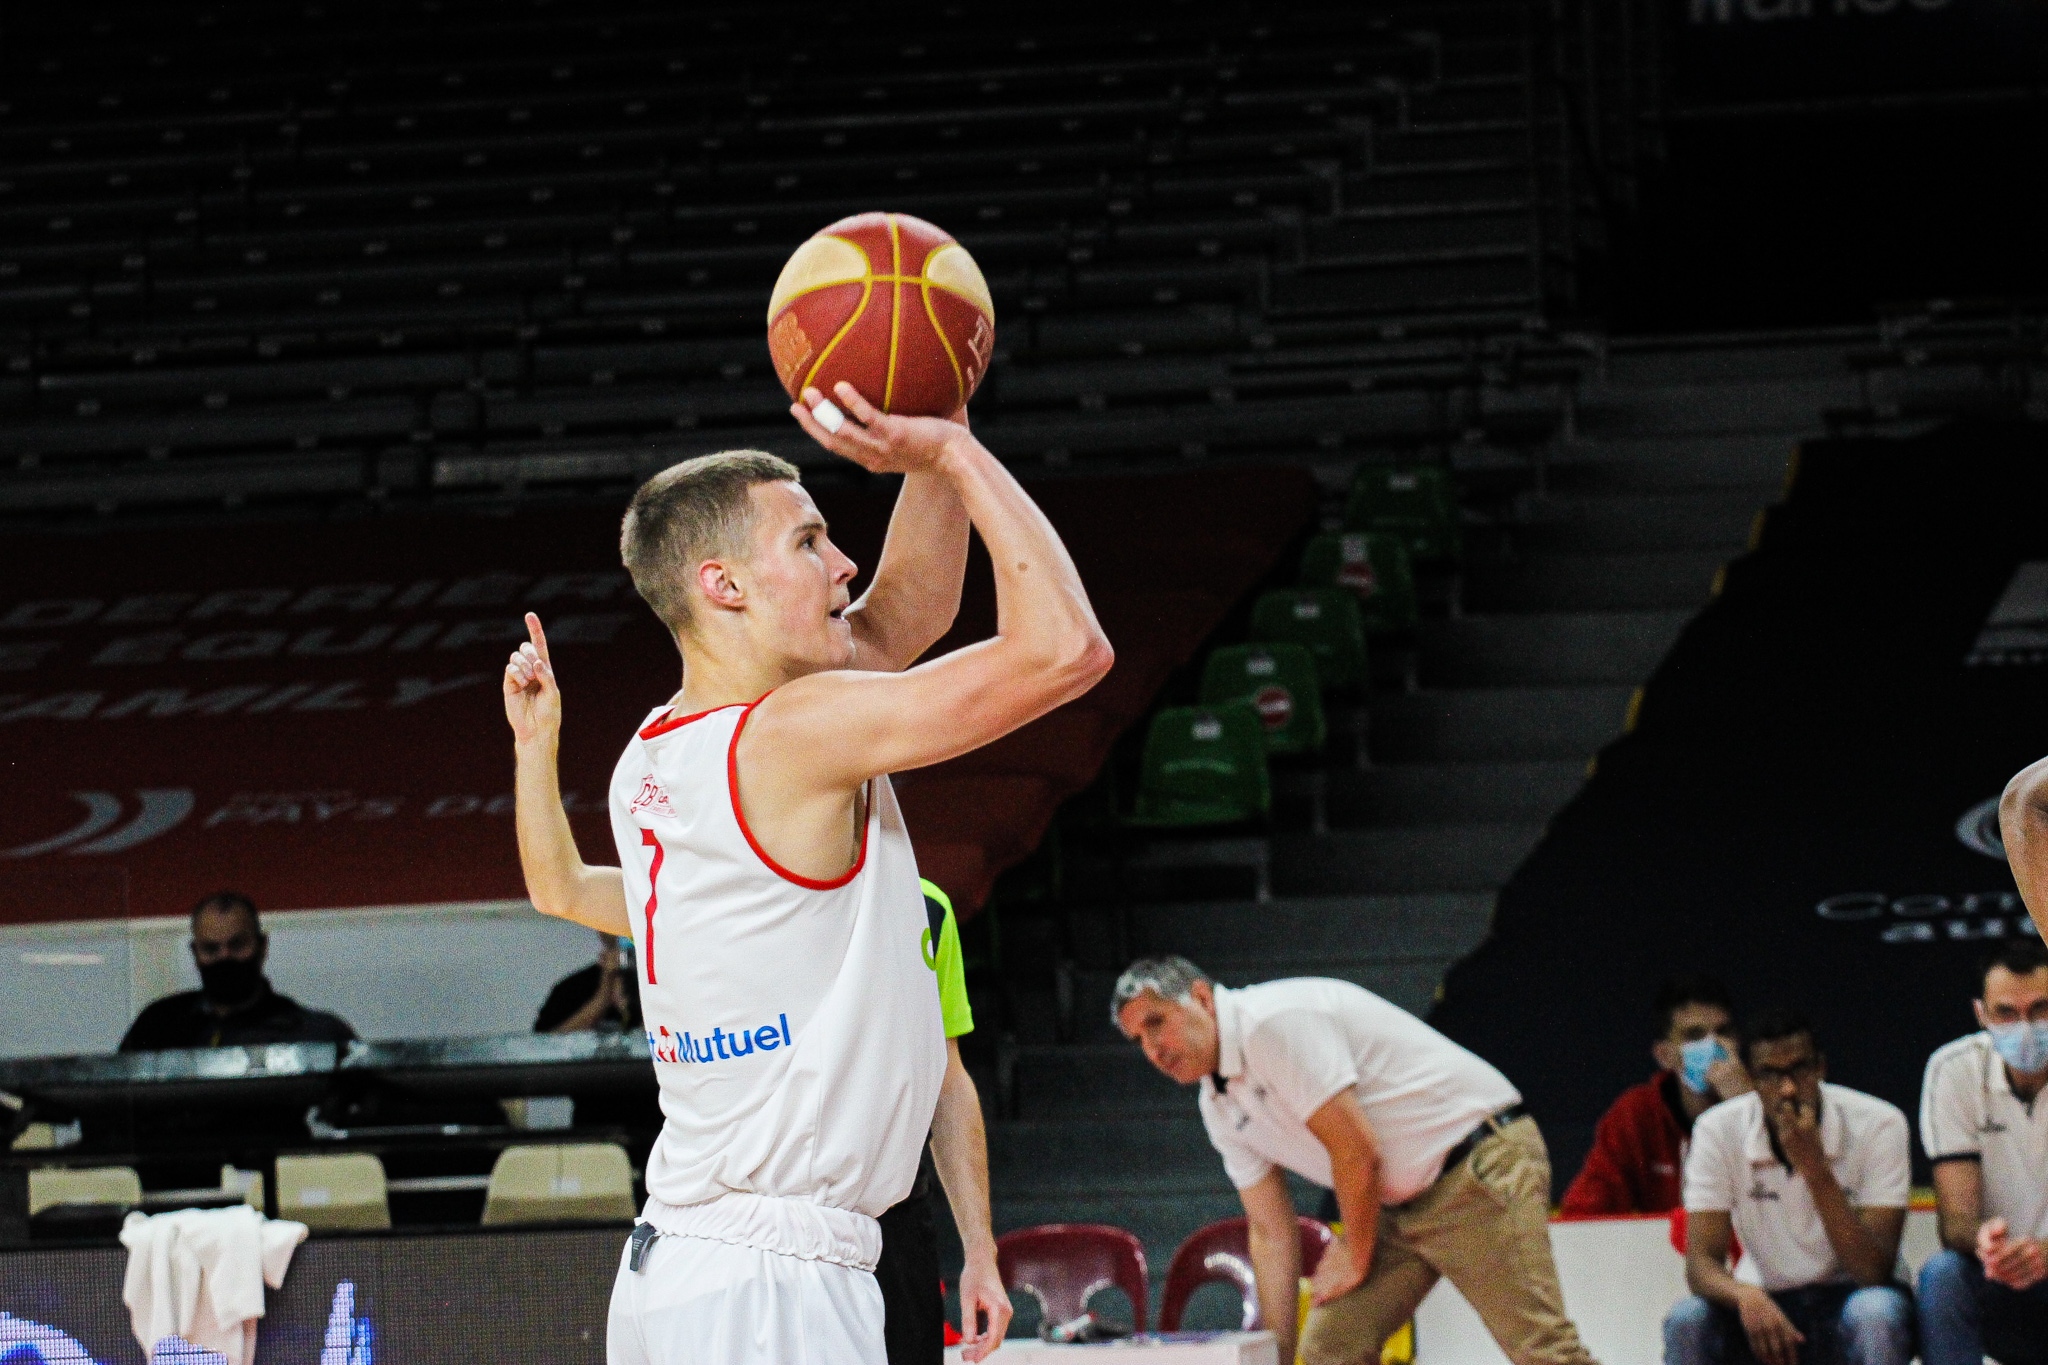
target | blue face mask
x=2023, y=1045
x=1694, y=1059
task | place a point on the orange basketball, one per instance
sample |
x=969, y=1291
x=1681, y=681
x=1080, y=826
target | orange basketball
x=889, y=304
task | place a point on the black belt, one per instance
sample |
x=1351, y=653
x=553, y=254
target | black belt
x=1488, y=1126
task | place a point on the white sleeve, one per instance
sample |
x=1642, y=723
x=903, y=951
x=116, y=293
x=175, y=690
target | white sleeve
x=1244, y=1166
x=1949, y=1101
x=1887, y=1181
x=1709, y=1187
x=1305, y=1056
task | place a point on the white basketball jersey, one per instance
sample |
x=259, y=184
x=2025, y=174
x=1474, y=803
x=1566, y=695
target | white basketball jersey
x=794, y=1023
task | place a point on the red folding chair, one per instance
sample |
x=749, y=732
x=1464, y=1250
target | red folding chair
x=1221, y=1254
x=1062, y=1264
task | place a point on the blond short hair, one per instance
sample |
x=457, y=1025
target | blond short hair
x=690, y=512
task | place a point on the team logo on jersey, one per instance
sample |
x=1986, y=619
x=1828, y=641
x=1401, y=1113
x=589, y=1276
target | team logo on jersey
x=723, y=1045
x=652, y=797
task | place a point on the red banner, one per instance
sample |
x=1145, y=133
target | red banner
x=309, y=711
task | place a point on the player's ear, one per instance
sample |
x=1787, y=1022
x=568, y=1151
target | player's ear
x=715, y=581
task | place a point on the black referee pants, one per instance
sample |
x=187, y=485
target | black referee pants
x=913, y=1310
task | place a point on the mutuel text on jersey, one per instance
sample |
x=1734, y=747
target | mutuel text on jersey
x=723, y=1045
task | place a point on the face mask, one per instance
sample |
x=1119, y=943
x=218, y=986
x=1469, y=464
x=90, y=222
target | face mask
x=230, y=980
x=2024, y=1046
x=1695, y=1057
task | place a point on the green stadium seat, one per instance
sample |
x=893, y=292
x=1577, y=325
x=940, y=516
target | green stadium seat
x=1204, y=765
x=1375, y=567
x=1281, y=683
x=1417, y=503
x=1325, y=621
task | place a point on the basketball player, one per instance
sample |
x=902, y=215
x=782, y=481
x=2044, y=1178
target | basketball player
x=767, y=879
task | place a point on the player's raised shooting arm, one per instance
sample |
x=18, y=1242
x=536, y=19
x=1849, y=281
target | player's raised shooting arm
x=915, y=592
x=2023, y=826
x=842, y=728
x=558, y=881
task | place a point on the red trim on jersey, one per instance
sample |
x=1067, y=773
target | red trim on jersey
x=732, y=782
x=648, y=840
x=675, y=722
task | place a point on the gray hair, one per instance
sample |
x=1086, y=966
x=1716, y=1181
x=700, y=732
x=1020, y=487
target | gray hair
x=1169, y=978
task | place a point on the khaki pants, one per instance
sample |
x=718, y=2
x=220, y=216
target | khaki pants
x=1485, y=1227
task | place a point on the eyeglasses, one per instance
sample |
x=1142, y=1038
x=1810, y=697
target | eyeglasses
x=1774, y=1075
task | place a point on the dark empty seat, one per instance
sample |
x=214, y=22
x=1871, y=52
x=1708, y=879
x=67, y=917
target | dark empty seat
x=1062, y=1265
x=1221, y=1254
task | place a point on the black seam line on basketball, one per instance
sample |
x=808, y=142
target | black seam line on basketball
x=895, y=309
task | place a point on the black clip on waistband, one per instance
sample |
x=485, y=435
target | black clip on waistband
x=636, y=1245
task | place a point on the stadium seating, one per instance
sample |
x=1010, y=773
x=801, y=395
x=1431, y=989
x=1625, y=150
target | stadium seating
x=1374, y=566
x=561, y=1183
x=114, y=1186
x=1280, y=682
x=345, y=1192
x=1417, y=504
x=1327, y=622
x=1203, y=765
x=1064, y=1265
x=266, y=254
x=1221, y=1254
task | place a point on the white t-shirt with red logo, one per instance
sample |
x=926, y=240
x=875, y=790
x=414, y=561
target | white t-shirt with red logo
x=1732, y=1169
x=794, y=1023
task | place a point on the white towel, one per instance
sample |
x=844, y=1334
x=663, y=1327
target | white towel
x=198, y=1275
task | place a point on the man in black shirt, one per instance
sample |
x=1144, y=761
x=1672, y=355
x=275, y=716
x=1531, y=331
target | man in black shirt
x=234, y=1005
x=600, y=997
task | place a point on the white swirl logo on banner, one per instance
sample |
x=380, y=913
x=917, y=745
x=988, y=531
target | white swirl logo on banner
x=160, y=810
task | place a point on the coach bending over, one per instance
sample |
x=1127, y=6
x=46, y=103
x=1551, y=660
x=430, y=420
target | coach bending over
x=1436, y=1169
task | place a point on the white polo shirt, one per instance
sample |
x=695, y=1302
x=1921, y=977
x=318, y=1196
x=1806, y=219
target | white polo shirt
x=1731, y=1169
x=1286, y=1047
x=1967, y=1109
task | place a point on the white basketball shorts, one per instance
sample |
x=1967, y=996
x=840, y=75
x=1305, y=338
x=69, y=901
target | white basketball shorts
x=699, y=1302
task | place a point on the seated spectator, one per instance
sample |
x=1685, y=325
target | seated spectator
x=599, y=998
x=1814, y=1178
x=1638, y=1156
x=1986, y=1292
x=234, y=1005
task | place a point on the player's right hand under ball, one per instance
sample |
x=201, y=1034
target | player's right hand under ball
x=878, y=442
x=533, y=703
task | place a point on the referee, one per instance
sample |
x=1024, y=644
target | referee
x=914, y=1308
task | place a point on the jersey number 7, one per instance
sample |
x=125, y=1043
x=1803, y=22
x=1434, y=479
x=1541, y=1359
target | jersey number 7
x=653, y=895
